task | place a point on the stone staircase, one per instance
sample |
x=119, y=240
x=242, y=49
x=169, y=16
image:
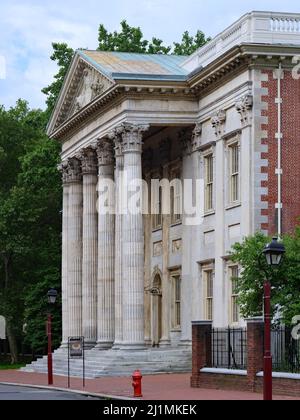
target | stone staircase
x=118, y=362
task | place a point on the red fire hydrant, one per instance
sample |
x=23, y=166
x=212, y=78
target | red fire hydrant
x=137, y=384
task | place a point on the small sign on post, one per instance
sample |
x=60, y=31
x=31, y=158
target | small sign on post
x=76, y=351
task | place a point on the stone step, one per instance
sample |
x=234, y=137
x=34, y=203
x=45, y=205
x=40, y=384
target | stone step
x=117, y=363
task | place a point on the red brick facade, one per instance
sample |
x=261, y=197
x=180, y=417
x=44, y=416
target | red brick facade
x=290, y=151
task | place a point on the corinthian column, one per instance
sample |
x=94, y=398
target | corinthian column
x=115, y=136
x=89, y=242
x=74, y=286
x=133, y=245
x=63, y=168
x=106, y=246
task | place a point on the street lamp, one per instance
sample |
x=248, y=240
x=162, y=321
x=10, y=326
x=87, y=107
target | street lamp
x=52, y=296
x=274, y=253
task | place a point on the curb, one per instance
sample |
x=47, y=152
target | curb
x=71, y=391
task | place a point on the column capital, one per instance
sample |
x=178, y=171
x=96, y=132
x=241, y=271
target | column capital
x=74, y=172
x=88, y=161
x=244, y=106
x=115, y=136
x=63, y=169
x=105, y=152
x=218, y=121
x=132, y=136
x=196, y=137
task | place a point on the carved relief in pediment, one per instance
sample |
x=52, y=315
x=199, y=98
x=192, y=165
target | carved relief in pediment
x=91, y=85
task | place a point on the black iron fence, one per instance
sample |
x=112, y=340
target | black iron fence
x=285, y=351
x=229, y=348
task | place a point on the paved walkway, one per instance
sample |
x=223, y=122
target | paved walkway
x=155, y=388
x=19, y=393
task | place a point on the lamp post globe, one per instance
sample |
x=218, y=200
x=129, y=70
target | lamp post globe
x=52, y=296
x=274, y=252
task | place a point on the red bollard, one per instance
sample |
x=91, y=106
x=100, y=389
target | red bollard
x=137, y=384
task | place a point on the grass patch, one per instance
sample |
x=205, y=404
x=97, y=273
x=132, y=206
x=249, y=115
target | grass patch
x=12, y=367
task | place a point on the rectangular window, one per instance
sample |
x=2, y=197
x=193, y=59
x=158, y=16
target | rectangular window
x=234, y=172
x=157, y=216
x=209, y=294
x=209, y=182
x=235, y=309
x=176, y=198
x=177, y=301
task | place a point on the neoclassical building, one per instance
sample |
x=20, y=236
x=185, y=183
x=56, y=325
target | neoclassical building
x=132, y=283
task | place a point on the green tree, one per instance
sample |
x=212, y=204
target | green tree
x=62, y=55
x=129, y=39
x=285, y=279
x=30, y=194
x=190, y=44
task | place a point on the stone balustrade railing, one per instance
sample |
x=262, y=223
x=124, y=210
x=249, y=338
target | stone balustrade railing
x=254, y=27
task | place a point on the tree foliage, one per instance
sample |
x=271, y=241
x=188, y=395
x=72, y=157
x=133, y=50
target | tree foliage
x=285, y=279
x=190, y=44
x=30, y=194
x=129, y=39
x=62, y=55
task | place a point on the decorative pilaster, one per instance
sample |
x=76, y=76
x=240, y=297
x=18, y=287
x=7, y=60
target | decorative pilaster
x=244, y=107
x=63, y=168
x=106, y=246
x=165, y=153
x=218, y=123
x=74, y=292
x=133, y=245
x=147, y=159
x=90, y=242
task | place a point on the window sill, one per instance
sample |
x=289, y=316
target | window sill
x=209, y=213
x=176, y=224
x=233, y=206
x=157, y=230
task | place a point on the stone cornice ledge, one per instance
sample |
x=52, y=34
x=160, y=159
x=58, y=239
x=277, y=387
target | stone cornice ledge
x=173, y=91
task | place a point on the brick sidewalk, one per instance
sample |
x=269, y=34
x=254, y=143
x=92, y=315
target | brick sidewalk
x=155, y=388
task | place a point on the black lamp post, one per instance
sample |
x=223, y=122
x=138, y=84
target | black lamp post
x=52, y=296
x=274, y=253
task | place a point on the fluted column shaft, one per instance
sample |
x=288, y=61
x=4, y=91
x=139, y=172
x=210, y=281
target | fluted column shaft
x=106, y=247
x=64, y=271
x=74, y=293
x=90, y=247
x=133, y=246
x=118, y=243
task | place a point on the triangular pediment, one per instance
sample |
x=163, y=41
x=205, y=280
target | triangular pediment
x=82, y=86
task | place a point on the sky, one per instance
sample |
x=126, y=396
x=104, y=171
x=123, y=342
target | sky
x=28, y=28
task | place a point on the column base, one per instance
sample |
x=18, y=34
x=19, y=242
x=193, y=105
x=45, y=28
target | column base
x=148, y=342
x=185, y=343
x=89, y=344
x=164, y=343
x=104, y=345
x=64, y=345
x=133, y=346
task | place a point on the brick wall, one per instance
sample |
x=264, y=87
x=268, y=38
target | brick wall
x=202, y=347
x=290, y=152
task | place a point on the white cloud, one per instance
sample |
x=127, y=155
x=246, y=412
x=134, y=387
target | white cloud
x=29, y=27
